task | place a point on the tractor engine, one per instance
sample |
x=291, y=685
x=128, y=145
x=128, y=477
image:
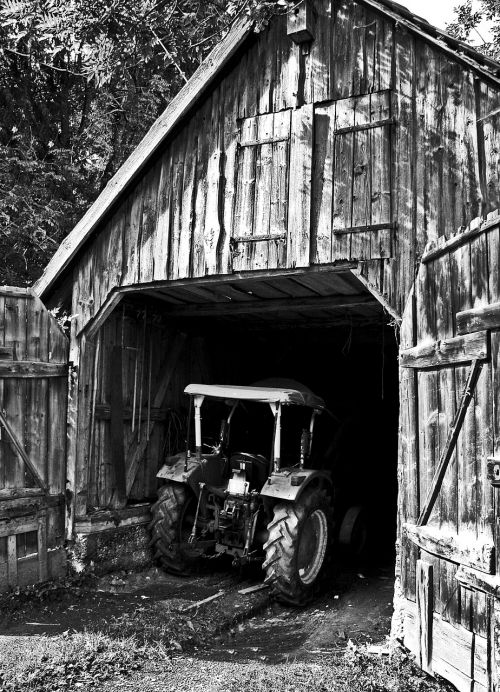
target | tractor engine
x=236, y=520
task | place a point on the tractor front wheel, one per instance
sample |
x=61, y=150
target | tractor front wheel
x=173, y=518
x=296, y=550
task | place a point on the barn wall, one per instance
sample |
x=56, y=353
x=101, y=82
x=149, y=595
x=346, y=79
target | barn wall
x=466, y=511
x=423, y=176
x=130, y=353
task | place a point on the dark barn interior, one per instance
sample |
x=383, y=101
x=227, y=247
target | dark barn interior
x=327, y=333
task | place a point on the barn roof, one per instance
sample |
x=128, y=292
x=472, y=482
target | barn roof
x=196, y=88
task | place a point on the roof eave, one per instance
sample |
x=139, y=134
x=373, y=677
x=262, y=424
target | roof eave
x=156, y=136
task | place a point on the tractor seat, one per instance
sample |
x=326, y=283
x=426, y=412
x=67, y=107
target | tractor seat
x=256, y=468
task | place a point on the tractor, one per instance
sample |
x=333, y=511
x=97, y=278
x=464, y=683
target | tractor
x=250, y=491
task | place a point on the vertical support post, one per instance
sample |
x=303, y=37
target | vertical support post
x=425, y=608
x=71, y=431
x=277, y=438
x=12, y=560
x=198, y=400
x=43, y=570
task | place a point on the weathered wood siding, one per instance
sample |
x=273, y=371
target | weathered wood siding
x=33, y=386
x=460, y=532
x=365, y=148
x=130, y=395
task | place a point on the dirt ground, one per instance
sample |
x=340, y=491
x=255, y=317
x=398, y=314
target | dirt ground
x=233, y=641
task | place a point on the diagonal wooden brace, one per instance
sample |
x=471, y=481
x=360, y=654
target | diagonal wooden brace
x=451, y=442
x=19, y=449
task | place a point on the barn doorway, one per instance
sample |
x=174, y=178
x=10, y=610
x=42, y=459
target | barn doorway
x=324, y=330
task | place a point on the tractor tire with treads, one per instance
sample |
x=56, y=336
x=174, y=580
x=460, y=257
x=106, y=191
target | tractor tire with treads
x=297, y=547
x=173, y=516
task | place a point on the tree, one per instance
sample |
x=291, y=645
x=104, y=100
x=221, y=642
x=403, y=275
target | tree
x=80, y=83
x=468, y=19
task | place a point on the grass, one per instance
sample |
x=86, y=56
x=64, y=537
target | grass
x=344, y=673
x=83, y=660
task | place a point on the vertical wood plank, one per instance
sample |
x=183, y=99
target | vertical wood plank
x=278, y=221
x=322, y=184
x=162, y=231
x=12, y=560
x=213, y=228
x=299, y=192
x=380, y=175
x=43, y=568
x=245, y=192
x=187, y=202
x=342, y=179
x=425, y=613
x=148, y=223
x=198, y=246
x=361, y=185
x=258, y=251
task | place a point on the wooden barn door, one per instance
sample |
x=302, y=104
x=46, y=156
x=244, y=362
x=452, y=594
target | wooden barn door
x=33, y=396
x=449, y=434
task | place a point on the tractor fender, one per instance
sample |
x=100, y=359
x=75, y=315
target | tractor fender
x=289, y=484
x=206, y=470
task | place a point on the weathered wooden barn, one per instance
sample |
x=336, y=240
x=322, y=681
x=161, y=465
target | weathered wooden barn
x=315, y=191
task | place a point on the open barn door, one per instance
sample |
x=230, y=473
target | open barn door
x=448, y=433
x=33, y=402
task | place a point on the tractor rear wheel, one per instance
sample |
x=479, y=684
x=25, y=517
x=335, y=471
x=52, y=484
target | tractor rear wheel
x=296, y=550
x=173, y=518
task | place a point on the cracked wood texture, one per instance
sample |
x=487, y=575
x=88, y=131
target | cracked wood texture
x=259, y=155
x=460, y=531
x=33, y=385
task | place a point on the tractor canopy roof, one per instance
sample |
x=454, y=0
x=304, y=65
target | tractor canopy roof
x=282, y=391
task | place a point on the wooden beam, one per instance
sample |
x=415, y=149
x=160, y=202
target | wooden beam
x=365, y=229
x=278, y=305
x=451, y=441
x=425, y=607
x=460, y=349
x=32, y=369
x=14, y=292
x=473, y=579
x=103, y=412
x=476, y=228
x=178, y=108
x=465, y=551
x=478, y=319
x=138, y=446
x=365, y=126
x=258, y=238
x=117, y=432
x=18, y=525
x=93, y=325
x=19, y=450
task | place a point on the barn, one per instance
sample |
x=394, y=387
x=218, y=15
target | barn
x=319, y=201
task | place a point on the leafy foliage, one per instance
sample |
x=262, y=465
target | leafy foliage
x=468, y=19
x=80, y=83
